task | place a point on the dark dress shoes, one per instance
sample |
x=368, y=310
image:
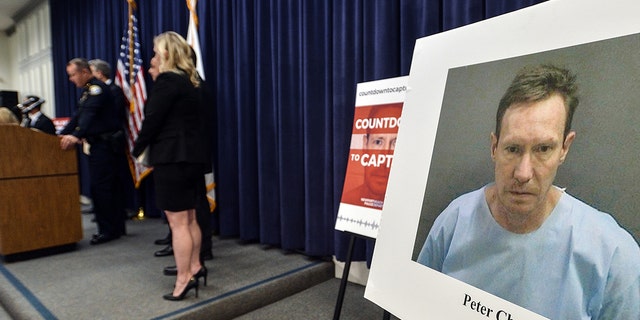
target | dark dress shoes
x=167, y=251
x=164, y=241
x=206, y=255
x=170, y=271
x=101, y=238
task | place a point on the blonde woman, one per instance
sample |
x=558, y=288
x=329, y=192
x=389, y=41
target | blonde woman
x=7, y=117
x=173, y=133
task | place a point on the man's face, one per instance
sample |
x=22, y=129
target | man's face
x=527, y=155
x=377, y=144
x=380, y=141
x=78, y=77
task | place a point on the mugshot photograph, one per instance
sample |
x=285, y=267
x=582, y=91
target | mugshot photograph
x=501, y=236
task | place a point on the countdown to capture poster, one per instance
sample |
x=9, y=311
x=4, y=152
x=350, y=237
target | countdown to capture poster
x=376, y=121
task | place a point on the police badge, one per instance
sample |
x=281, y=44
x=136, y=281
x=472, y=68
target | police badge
x=95, y=90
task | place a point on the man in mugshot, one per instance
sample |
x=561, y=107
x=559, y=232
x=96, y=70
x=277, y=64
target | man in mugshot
x=525, y=240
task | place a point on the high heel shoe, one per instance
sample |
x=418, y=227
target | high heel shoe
x=202, y=273
x=193, y=283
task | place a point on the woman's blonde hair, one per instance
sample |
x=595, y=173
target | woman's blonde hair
x=175, y=55
x=7, y=117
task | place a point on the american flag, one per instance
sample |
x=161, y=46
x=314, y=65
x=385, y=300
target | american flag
x=130, y=77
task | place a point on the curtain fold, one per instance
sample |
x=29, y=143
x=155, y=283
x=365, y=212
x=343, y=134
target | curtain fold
x=268, y=143
x=284, y=75
x=246, y=103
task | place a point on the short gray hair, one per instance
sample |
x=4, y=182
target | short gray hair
x=101, y=66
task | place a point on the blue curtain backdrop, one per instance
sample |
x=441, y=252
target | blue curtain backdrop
x=284, y=75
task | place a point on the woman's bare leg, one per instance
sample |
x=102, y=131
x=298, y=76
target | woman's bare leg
x=196, y=239
x=182, y=243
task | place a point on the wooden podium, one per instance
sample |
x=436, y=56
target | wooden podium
x=39, y=196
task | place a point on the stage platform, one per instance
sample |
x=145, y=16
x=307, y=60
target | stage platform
x=123, y=280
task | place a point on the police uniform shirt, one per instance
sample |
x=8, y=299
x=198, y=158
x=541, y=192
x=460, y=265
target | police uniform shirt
x=95, y=114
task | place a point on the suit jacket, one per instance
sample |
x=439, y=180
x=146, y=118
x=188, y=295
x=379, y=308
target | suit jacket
x=44, y=124
x=172, y=127
x=120, y=101
x=208, y=109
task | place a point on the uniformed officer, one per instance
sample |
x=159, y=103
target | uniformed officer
x=97, y=122
x=101, y=70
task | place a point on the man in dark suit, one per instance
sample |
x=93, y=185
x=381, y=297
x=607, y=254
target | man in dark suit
x=97, y=122
x=33, y=117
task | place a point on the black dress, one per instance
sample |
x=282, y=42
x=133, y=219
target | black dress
x=173, y=131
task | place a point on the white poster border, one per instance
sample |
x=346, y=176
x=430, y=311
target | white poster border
x=397, y=283
x=357, y=219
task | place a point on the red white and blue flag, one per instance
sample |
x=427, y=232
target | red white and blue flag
x=130, y=77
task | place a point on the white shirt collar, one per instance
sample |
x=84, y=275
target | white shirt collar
x=34, y=117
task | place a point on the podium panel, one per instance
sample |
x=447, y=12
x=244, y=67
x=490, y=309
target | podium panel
x=39, y=192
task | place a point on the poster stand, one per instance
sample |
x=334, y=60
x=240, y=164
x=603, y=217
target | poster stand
x=377, y=118
x=345, y=277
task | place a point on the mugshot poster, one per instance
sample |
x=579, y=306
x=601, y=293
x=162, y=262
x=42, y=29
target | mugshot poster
x=376, y=121
x=455, y=83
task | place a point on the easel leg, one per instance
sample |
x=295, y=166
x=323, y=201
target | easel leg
x=344, y=280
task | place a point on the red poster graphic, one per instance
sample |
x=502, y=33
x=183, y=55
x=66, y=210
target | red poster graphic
x=375, y=131
x=60, y=123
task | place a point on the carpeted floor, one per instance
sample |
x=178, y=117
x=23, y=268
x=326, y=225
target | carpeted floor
x=318, y=303
x=123, y=280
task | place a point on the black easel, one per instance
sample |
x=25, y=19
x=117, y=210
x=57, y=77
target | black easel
x=345, y=280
